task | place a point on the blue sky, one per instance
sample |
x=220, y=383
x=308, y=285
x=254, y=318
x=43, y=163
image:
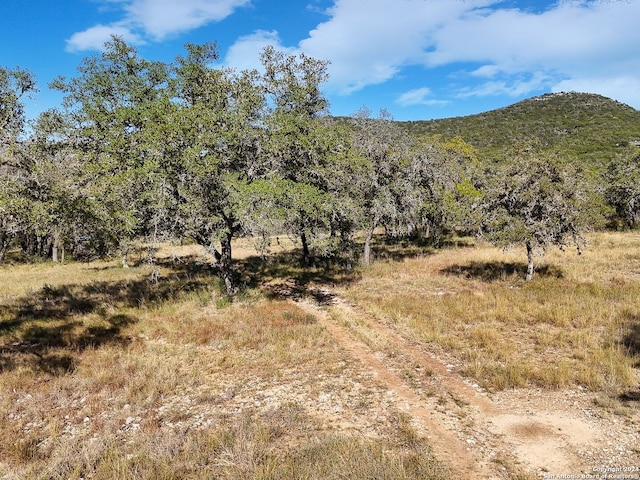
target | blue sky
x=419, y=59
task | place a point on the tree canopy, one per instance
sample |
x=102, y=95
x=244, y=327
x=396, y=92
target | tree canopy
x=623, y=187
x=535, y=200
x=149, y=150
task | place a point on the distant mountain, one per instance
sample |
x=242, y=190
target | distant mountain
x=581, y=126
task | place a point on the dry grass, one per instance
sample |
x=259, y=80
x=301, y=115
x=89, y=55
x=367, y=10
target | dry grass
x=148, y=372
x=577, y=322
x=112, y=373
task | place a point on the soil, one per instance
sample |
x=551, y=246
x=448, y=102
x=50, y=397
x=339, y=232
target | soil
x=524, y=433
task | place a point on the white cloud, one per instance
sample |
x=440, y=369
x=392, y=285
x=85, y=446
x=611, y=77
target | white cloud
x=494, y=50
x=568, y=36
x=586, y=45
x=372, y=41
x=154, y=20
x=160, y=18
x=624, y=88
x=509, y=85
x=95, y=37
x=418, y=96
x=244, y=54
x=486, y=71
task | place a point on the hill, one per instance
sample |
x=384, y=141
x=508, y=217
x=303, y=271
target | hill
x=577, y=125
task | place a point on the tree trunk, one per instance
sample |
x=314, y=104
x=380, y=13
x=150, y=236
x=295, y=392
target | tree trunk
x=226, y=267
x=367, y=246
x=305, y=248
x=27, y=245
x=124, y=258
x=635, y=218
x=55, y=248
x=46, y=246
x=223, y=257
x=5, y=241
x=529, y=262
x=427, y=230
x=3, y=249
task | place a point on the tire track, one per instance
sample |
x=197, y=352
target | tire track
x=473, y=435
x=445, y=442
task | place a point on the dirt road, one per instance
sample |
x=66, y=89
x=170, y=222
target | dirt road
x=524, y=433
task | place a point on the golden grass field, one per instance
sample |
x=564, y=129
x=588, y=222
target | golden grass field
x=149, y=372
x=577, y=322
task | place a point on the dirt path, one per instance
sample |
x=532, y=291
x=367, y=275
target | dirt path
x=446, y=445
x=478, y=435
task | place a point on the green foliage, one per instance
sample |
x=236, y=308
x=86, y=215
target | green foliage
x=293, y=83
x=12, y=207
x=447, y=172
x=382, y=147
x=113, y=105
x=14, y=165
x=153, y=150
x=15, y=84
x=586, y=131
x=537, y=201
x=306, y=149
x=623, y=187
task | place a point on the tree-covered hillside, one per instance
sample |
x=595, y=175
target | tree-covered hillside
x=579, y=125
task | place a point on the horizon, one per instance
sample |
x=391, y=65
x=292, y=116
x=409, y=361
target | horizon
x=418, y=59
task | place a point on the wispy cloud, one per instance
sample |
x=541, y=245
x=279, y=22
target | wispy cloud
x=159, y=18
x=419, y=96
x=153, y=20
x=624, y=88
x=510, y=85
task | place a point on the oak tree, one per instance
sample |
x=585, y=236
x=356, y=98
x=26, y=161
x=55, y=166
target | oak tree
x=15, y=85
x=220, y=135
x=382, y=150
x=623, y=187
x=111, y=106
x=534, y=200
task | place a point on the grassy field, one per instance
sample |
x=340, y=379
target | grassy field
x=148, y=372
x=577, y=322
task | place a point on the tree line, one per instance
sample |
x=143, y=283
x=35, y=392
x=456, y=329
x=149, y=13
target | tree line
x=151, y=150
